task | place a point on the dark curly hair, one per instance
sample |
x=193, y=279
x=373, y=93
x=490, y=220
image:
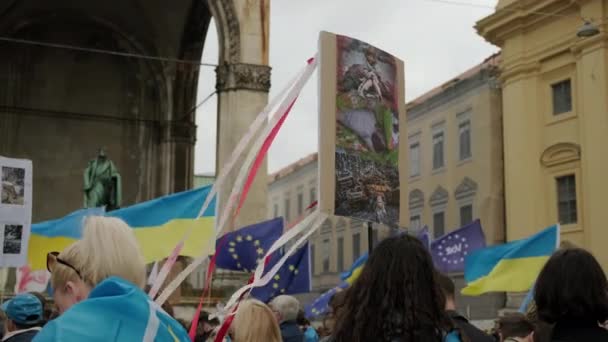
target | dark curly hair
x=396, y=297
x=572, y=286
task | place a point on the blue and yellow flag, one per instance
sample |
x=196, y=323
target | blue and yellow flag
x=355, y=270
x=511, y=267
x=293, y=277
x=56, y=235
x=159, y=225
x=321, y=305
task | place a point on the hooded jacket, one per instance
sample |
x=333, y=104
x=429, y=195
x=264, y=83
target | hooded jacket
x=116, y=310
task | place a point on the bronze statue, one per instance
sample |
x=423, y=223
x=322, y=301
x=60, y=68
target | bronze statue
x=102, y=186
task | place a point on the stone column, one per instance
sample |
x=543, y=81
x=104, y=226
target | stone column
x=242, y=94
x=243, y=82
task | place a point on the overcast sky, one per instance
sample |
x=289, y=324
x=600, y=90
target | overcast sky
x=436, y=40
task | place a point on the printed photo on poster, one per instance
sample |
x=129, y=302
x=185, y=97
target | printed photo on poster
x=13, y=237
x=13, y=185
x=15, y=211
x=367, y=133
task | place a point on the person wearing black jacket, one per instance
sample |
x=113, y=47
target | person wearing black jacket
x=473, y=333
x=571, y=295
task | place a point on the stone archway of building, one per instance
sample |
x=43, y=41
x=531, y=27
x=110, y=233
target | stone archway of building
x=55, y=88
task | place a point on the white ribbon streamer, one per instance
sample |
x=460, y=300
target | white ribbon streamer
x=295, y=90
x=253, y=152
x=259, y=280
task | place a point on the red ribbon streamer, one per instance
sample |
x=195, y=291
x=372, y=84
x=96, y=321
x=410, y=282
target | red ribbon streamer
x=250, y=177
x=260, y=157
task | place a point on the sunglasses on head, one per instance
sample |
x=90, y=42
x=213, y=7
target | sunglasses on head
x=53, y=257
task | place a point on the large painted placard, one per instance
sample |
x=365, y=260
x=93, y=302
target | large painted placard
x=361, y=111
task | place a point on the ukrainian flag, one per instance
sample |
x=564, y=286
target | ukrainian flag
x=512, y=267
x=355, y=270
x=56, y=235
x=158, y=224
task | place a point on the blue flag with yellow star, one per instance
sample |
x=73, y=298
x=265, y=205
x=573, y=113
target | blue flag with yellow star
x=242, y=249
x=293, y=277
x=321, y=305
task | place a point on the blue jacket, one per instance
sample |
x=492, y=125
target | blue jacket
x=291, y=332
x=116, y=310
x=310, y=335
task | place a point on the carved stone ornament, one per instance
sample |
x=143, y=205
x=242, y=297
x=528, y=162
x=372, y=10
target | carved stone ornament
x=416, y=199
x=243, y=76
x=439, y=197
x=560, y=153
x=466, y=188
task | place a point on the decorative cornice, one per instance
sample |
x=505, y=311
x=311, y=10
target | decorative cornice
x=440, y=196
x=327, y=226
x=242, y=76
x=516, y=17
x=560, y=153
x=467, y=188
x=340, y=225
x=416, y=199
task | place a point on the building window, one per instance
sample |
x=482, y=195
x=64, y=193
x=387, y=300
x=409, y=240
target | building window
x=566, y=199
x=275, y=210
x=562, y=97
x=415, y=222
x=438, y=151
x=325, y=255
x=300, y=203
x=414, y=159
x=464, y=139
x=313, y=195
x=287, y=207
x=466, y=215
x=438, y=224
x=356, y=246
x=312, y=259
x=340, y=254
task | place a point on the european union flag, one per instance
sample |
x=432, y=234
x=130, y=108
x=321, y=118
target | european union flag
x=320, y=305
x=293, y=277
x=242, y=249
x=449, y=251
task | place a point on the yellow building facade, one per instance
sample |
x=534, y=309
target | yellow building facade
x=455, y=154
x=555, y=118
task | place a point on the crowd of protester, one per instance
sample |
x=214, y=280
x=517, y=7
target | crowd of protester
x=398, y=297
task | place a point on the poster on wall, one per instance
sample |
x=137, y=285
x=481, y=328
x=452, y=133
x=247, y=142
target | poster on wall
x=361, y=108
x=15, y=211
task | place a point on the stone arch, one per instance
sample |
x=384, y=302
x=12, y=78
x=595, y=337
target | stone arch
x=439, y=196
x=560, y=153
x=416, y=199
x=228, y=30
x=149, y=73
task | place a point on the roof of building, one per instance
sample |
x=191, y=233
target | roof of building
x=293, y=167
x=492, y=61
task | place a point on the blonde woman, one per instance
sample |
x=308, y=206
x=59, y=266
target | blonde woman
x=255, y=322
x=97, y=284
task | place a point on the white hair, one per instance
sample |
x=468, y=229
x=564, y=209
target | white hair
x=287, y=306
x=108, y=248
